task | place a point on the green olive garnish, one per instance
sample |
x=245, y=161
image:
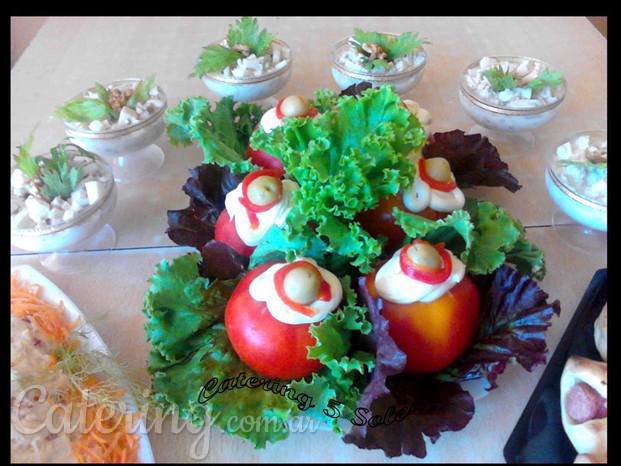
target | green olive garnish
x=439, y=169
x=294, y=106
x=263, y=190
x=302, y=284
x=425, y=255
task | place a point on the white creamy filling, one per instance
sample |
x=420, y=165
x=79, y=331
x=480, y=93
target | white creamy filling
x=270, y=121
x=274, y=216
x=395, y=286
x=420, y=195
x=263, y=289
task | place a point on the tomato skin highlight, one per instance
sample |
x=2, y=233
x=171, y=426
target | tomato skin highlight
x=226, y=233
x=380, y=221
x=263, y=159
x=434, y=334
x=270, y=347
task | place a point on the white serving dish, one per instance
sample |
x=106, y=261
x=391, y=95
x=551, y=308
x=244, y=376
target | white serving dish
x=502, y=118
x=121, y=141
x=51, y=293
x=401, y=82
x=251, y=89
x=581, y=209
x=86, y=223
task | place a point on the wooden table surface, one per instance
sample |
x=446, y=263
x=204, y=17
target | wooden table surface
x=70, y=54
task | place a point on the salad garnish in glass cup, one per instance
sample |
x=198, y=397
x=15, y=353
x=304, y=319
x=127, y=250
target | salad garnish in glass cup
x=249, y=65
x=509, y=97
x=121, y=122
x=61, y=202
x=379, y=58
x=576, y=177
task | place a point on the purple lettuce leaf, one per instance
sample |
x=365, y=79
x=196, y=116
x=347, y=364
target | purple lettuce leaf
x=219, y=261
x=473, y=158
x=207, y=188
x=446, y=407
x=515, y=315
x=356, y=89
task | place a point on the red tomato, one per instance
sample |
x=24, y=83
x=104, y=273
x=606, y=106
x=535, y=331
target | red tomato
x=263, y=159
x=434, y=334
x=270, y=347
x=379, y=221
x=226, y=233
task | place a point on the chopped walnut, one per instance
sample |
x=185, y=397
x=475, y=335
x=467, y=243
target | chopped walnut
x=375, y=51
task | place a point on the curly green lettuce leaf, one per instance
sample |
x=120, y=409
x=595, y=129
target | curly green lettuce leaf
x=546, y=78
x=483, y=235
x=345, y=160
x=222, y=133
x=324, y=99
x=179, y=303
x=246, y=32
x=214, y=58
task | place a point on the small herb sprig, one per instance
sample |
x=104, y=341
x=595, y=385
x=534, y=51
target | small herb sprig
x=59, y=177
x=243, y=38
x=381, y=49
x=106, y=105
x=501, y=80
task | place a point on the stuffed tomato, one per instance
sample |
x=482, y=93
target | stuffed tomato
x=431, y=304
x=433, y=194
x=269, y=315
x=293, y=106
x=259, y=202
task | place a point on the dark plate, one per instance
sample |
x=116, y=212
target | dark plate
x=539, y=436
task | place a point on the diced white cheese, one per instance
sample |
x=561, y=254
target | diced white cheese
x=155, y=91
x=21, y=220
x=60, y=203
x=94, y=191
x=38, y=209
x=79, y=199
x=524, y=92
x=564, y=151
x=128, y=116
x=582, y=143
x=68, y=215
x=98, y=125
x=153, y=104
x=506, y=95
x=486, y=63
x=18, y=179
x=56, y=215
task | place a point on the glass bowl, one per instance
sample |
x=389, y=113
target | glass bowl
x=508, y=127
x=401, y=82
x=253, y=88
x=131, y=151
x=85, y=224
x=591, y=214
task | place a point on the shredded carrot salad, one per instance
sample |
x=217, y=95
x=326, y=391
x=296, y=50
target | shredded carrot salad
x=108, y=438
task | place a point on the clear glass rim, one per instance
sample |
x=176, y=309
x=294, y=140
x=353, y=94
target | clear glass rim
x=375, y=76
x=114, y=133
x=84, y=213
x=255, y=79
x=503, y=108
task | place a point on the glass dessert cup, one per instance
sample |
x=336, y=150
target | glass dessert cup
x=590, y=232
x=256, y=89
x=131, y=151
x=509, y=129
x=88, y=230
x=401, y=82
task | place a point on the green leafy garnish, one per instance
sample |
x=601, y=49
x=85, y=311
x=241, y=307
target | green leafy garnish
x=215, y=58
x=546, y=78
x=246, y=32
x=344, y=161
x=84, y=110
x=499, y=79
x=58, y=176
x=185, y=314
x=324, y=99
x=141, y=92
x=222, y=133
x=25, y=162
x=395, y=47
x=483, y=235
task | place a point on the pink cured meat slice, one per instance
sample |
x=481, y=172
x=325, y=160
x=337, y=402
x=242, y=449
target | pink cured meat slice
x=583, y=403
